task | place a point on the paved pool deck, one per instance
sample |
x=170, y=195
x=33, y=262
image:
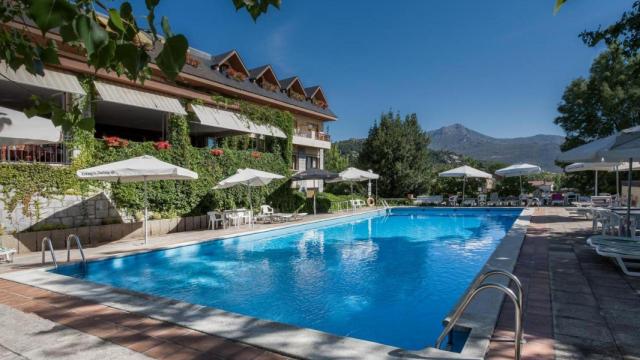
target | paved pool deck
x=577, y=306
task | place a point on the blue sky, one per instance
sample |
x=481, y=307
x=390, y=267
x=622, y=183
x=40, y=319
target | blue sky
x=495, y=66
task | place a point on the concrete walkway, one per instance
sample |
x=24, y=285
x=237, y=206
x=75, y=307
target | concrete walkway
x=27, y=336
x=578, y=305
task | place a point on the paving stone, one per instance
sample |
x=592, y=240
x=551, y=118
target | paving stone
x=581, y=312
x=566, y=297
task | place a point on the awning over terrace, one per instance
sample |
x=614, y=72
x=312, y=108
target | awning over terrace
x=52, y=79
x=227, y=120
x=16, y=128
x=128, y=96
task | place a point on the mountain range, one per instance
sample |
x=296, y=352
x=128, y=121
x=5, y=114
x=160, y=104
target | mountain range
x=538, y=149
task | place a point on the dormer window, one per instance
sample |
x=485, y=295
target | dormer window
x=293, y=88
x=316, y=96
x=231, y=65
x=265, y=78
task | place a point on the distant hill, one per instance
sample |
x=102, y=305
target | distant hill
x=538, y=149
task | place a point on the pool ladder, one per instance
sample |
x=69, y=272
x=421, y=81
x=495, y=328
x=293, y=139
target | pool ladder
x=46, y=244
x=479, y=286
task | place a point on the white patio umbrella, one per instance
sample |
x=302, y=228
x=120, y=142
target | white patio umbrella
x=16, y=128
x=353, y=175
x=142, y=168
x=601, y=166
x=621, y=146
x=248, y=178
x=519, y=170
x=465, y=172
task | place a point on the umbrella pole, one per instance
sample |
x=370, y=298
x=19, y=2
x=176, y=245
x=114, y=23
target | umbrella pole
x=629, y=198
x=250, y=207
x=464, y=184
x=520, y=186
x=617, y=183
x=314, y=203
x=353, y=206
x=146, y=211
x=596, y=187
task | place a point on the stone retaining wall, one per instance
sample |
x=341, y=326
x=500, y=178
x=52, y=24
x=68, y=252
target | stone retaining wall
x=62, y=211
x=93, y=235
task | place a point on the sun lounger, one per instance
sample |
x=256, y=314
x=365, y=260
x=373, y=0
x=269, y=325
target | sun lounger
x=622, y=254
x=6, y=254
x=607, y=240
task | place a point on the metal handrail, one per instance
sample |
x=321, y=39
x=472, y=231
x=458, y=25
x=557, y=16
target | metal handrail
x=47, y=241
x=78, y=244
x=476, y=288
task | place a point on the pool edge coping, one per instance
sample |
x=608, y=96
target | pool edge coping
x=301, y=342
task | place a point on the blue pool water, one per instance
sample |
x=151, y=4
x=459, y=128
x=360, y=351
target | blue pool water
x=389, y=279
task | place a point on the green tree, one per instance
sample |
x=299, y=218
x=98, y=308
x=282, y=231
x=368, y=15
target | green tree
x=625, y=31
x=397, y=150
x=605, y=102
x=334, y=160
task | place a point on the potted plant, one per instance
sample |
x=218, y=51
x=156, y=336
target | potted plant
x=162, y=145
x=114, y=142
x=236, y=75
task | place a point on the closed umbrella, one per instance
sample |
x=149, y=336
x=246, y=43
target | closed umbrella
x=465, y=172
x=621, y=146
x=314, y=174
x=248, y=178
x=143, y=168
x=519, y=170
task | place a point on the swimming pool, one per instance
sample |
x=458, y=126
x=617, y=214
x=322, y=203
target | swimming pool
x=390, y=278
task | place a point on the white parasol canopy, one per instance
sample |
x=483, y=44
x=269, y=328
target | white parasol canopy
x=519, y=170
x=142, y=168
x=465, y=172
x=621, y=146
x=16, y=128
x=248, y=178
x=356, y=175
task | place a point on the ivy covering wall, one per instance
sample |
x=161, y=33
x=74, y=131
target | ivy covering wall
x=171, y=198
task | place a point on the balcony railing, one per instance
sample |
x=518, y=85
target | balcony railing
x=46, y=154
x=316, y=135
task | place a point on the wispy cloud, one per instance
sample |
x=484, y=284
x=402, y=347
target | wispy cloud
x=278, y=49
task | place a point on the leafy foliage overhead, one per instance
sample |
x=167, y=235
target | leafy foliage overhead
x=625, y=31
x=605, y=102
x=112, y=42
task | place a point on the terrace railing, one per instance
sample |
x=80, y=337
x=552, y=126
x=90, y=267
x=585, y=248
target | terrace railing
x=47, y=154
x=316, y=135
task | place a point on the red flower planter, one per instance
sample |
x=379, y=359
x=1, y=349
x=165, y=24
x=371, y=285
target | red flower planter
x=162, y=145
x=114, y=141
x=217, y=152
x=256, y=154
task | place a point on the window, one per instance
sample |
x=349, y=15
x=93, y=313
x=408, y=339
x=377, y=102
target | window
x=312, y=162
x=294, y=160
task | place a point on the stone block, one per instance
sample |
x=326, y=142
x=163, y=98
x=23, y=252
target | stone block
x=188, y=223
x=68, y=221
x=102, y=205
x=28, y=242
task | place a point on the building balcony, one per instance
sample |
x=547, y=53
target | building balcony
x=316, y=139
